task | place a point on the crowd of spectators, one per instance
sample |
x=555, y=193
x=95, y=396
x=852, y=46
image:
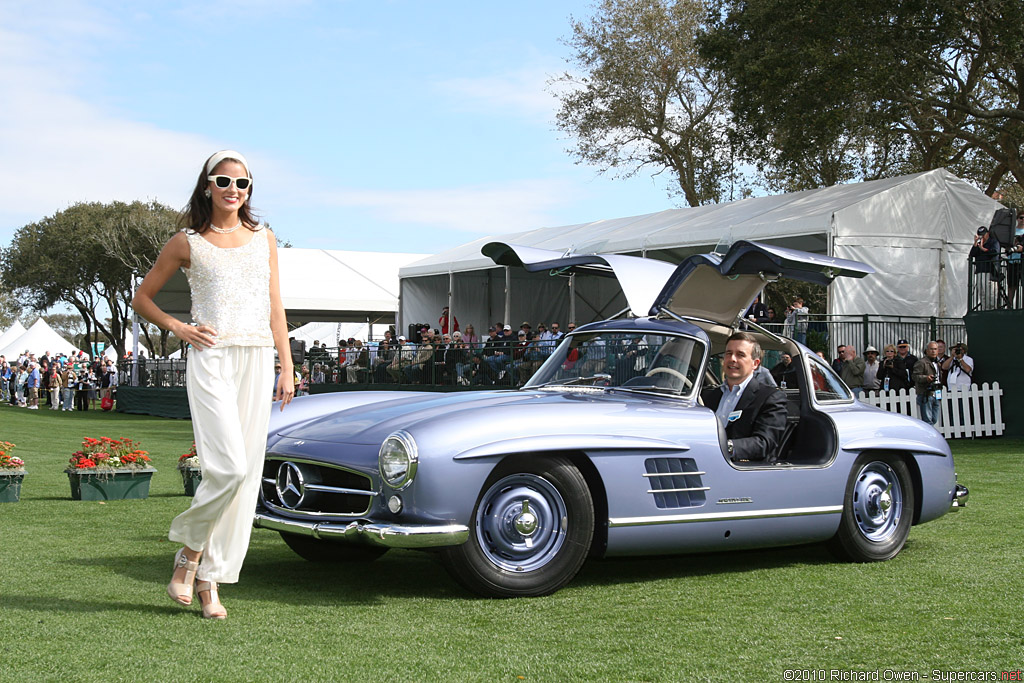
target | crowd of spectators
x=939, y=369
x=58, y=382
x=441, y=355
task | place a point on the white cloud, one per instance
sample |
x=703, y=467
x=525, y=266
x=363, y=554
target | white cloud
x=478, y=209
x=57, y=147
x=521, y=92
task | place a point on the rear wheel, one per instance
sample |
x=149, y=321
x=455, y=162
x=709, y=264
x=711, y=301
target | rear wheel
x=530, y=533
x=878, y=510
x=315, y=550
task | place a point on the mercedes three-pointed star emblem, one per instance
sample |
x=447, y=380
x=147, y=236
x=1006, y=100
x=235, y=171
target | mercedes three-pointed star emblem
x=289, y=485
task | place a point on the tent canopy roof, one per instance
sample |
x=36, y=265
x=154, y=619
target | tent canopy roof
x=319, y=285
x=38, y=339
x=11, y=333
x=683, y=232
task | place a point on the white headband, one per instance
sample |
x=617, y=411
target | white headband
x=226, y=154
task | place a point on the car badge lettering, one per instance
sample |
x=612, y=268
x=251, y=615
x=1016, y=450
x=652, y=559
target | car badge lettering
x=290, y=487
x=298, y=443
x=729, y=501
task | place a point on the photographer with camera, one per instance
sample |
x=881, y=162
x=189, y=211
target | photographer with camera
x=927, y=384
x=985, y=256
x=959, y=367
x=1013, y=264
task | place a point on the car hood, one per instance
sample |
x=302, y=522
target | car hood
x=709, y=286
x=498, y=413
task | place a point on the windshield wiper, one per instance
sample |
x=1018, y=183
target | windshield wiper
x=573, y=380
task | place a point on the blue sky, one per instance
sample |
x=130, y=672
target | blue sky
x=373, y=125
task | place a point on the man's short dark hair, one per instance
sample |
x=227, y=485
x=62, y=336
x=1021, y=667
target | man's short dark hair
x=747, y=337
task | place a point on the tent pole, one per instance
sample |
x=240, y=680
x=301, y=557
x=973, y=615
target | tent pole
x=135, y=349
x=572, y=300
x=508, y=295
x=451, y=310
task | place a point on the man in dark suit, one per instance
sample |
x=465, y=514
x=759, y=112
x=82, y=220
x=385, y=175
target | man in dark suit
x=751, y=409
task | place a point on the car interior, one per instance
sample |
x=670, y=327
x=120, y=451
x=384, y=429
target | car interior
x=810, y=439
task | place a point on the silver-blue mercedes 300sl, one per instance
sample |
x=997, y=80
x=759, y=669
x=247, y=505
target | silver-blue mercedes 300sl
x=607, y=450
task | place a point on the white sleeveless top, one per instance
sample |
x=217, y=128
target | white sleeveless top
x=231, y=289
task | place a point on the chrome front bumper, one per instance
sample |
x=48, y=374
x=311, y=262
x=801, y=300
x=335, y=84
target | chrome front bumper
x=361, y=531
x=960, y=496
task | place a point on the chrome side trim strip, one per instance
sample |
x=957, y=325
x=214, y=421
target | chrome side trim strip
x=673, y=474
x=362, y=531
x=696, y=488
x=724, y=516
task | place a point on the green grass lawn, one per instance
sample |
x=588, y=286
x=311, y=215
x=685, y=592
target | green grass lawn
x=82, y=595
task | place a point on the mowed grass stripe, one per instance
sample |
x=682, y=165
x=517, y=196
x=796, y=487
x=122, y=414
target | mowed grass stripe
x=82, y=595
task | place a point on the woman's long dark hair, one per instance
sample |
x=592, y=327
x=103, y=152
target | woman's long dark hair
x=198, y=213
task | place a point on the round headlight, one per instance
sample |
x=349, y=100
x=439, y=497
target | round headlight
x=397, y=459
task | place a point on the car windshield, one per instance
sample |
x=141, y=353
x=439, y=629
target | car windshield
x=660, y=363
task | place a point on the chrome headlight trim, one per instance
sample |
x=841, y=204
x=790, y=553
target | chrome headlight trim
x=407, y=444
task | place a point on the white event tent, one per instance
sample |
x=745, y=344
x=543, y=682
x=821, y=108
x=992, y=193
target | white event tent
x=321, y=285
x=11, y=333
x=915, y=230
x=38, y=339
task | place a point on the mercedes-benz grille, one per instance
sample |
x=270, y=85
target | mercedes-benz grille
x=299, y=487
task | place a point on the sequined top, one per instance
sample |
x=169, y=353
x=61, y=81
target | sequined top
x=231, y=289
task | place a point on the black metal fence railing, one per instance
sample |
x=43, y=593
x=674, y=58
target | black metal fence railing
x=826, y=332
x=462, y=367
x=995, y=284
x=169, y=372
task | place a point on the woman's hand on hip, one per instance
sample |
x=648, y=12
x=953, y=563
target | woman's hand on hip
x=199, y=336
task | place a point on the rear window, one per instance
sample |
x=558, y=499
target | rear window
x=826, y=383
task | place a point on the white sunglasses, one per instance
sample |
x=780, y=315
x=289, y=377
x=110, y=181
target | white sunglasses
x=223, y=181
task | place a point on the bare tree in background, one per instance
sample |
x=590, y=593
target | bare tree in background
x=641, y=96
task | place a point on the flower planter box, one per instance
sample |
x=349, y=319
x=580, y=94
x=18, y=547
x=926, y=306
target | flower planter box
x=110, y=485
x=10, y=486
x=190, y=478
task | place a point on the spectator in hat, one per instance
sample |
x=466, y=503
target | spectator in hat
x=985, y=254
x=34, y=382
x=871, y=368
x=903, y=366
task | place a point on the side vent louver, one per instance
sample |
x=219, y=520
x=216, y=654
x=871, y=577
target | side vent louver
x=675, y=482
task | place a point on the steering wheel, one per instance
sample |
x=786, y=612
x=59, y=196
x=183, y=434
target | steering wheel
x=672, y=371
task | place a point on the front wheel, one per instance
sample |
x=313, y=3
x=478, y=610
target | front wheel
x=878, y=510
x=530, y=533
x=315, y=550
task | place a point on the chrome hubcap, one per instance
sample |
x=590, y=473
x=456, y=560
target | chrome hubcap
x=521, y=522
x=877, y=501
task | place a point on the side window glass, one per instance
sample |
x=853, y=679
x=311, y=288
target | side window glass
x=826, y=384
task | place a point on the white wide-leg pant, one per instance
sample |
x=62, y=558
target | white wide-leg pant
x=229, y=391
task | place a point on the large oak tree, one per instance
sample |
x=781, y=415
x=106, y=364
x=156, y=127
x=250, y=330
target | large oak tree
x=89, y=256
x=828, y=91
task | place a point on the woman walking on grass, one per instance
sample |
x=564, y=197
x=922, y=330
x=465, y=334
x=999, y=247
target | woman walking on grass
x=231, y=263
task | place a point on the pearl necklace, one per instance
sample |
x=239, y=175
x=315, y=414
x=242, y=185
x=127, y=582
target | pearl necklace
x=225, y=231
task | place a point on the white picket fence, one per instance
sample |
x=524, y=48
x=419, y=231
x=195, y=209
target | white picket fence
x=967, y=411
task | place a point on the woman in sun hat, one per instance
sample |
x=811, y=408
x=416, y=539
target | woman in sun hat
x=231, y=262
